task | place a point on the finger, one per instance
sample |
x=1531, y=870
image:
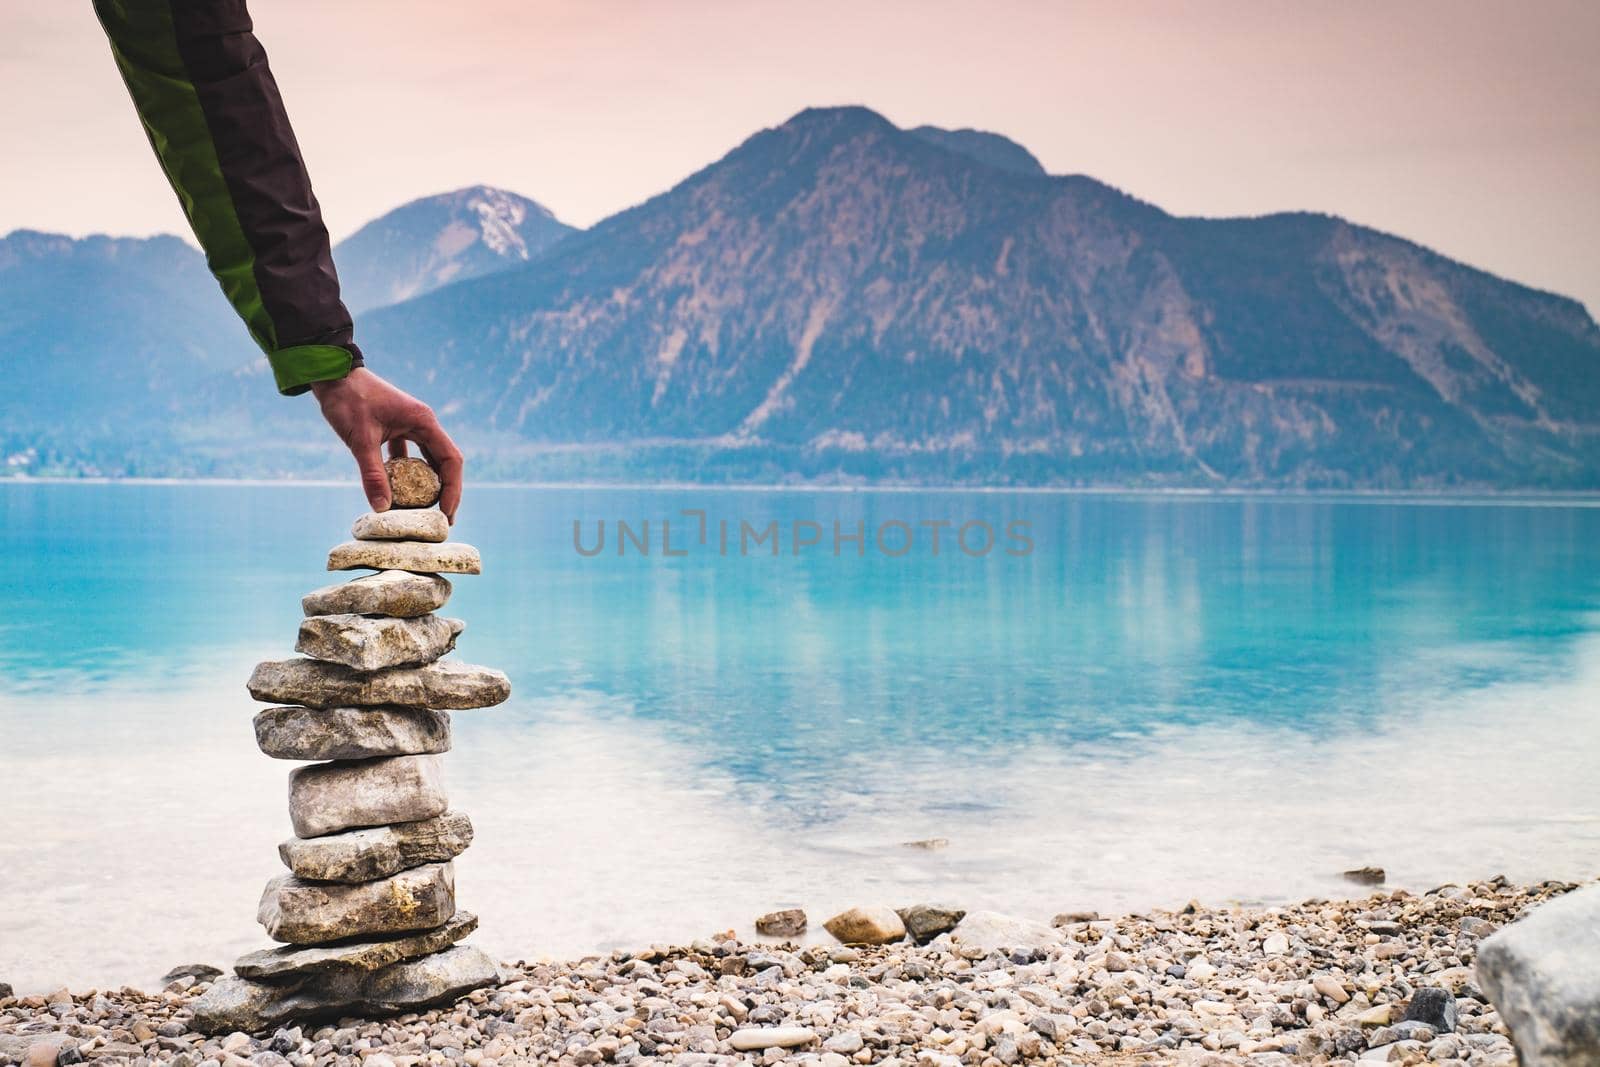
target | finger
x=374, y=480
x=446, y=459
x=397, y=448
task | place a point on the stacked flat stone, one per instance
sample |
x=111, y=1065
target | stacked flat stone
x=367, y=913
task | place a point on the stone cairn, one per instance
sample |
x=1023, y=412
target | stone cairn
x=368, y=911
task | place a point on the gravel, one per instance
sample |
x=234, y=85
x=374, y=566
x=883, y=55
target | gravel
x=1318, y=982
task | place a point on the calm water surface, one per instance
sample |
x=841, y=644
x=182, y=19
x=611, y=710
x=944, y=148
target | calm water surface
x=1167, y=698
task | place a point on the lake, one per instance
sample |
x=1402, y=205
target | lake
x=1121, y=701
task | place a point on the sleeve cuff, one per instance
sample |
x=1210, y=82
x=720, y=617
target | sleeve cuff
x=296, y=368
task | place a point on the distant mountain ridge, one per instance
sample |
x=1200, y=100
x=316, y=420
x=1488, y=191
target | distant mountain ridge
x=838, y=299
x=427, y=243
x=91, y=326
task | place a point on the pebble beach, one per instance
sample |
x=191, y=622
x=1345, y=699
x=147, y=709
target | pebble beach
x=1383, y=978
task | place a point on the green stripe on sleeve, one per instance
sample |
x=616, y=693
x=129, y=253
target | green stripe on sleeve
x=296, y=368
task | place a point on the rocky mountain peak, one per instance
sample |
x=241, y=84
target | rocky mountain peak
x=437, y=240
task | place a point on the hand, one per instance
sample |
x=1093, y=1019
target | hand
x=367, y=412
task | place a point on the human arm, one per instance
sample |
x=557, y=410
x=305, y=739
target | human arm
x=211, y=109
x=212, y=112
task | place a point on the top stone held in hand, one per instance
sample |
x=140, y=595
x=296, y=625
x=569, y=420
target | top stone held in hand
x=412, y=483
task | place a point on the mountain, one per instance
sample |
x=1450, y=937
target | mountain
x=92, y=327
x=841, y=299
x=991, y=149
x=122, y=339
x=122, y=356
x=420, y=246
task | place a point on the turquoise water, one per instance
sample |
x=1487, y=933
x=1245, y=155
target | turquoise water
x=1166, y=697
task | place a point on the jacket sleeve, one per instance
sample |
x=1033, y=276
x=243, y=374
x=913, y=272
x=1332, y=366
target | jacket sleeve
x=210, y=107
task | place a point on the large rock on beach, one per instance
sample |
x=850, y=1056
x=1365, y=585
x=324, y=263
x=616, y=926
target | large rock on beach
x=399, y=593
x=370, y=644
x=1543, y=974
x=866, y=926
x=325, y=798
x=310, y=913
x=241, y=1004
x=924, y=922
x=419, y=557
x=790, y=922
x=272, y=963
x=378, y=852
x=314, y=684
x=351, y=733
x=422, y=524
x=412, y=483
x=991, y=931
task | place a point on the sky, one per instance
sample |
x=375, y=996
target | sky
x=1471, y=127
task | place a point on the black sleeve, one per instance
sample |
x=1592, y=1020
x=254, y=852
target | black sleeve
x=210, y=106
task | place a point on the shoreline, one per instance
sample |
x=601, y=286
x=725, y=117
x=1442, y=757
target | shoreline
x=1415, y=497
x=1316, y=982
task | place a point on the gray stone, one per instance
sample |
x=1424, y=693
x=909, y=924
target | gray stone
x=325, y=798
x=924, y=922
x=1435, y=1007
x=1072, y=918
x=274, y=963
x=200, y=972
x=790, y=922
x=1543, y=974
x=419, y=557
x=398, y=593
x=1413, y=1030
x=351, y=733
x=39, y=1048
x=309, y=913
x=370, y=643
x=367, y=855
x=991, y=931
x=13, y=1047
x=845, y=1042
x=314, y=684
x=235, y=1003
x=412, y=482
x=407, y=524
x=866, y=926
x=449, y=974
x=1365, y=875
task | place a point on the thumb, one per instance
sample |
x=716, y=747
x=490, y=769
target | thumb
x=374, y=479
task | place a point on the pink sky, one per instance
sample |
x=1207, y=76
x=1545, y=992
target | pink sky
x=1471, y=127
